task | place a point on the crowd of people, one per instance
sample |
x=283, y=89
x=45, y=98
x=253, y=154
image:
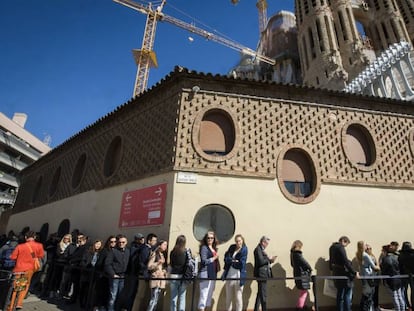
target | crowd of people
x=112, y=275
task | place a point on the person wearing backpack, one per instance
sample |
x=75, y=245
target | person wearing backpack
x=25, y=255
x=6, y=263
x=178, y=264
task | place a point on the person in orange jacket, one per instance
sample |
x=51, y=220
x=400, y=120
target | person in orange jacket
x=25, y=255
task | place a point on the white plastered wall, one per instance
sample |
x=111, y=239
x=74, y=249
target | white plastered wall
x=376, y=215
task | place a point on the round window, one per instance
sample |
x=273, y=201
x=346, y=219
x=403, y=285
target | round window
x=78, y=171
x=298, y=178
x=359, y=146
x=112, y=157
x=217, y=218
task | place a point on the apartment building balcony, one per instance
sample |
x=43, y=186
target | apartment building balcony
x=18, y=145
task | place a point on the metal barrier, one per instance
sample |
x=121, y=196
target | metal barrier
x=314, y=279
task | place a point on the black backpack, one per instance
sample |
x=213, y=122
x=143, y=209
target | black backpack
x=5, y=262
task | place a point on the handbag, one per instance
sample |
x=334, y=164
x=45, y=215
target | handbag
x=36, y=261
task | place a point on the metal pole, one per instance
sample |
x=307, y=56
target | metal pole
x=193, y=294
x=315, y=296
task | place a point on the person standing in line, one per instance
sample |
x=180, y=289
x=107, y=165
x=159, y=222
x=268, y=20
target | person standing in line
x=178, y=263
x=209, y=267
x=87, y=276
x=301, y=269
x=367, y=267
x=127, y=296
x=406, y=260
x=102, y=281
x=116, y=264
x=235, y=267
x=375, y=296
x=24, y=254
x=390, y=266
x=340, y=265
x=157, y=266
x=143, y=293
x=263, y=271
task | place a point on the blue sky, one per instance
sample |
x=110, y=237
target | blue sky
x=66, y=63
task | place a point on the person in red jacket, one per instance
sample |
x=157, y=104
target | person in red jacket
x=24, y=255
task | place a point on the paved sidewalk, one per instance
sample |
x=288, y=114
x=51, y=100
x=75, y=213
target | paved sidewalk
x=33, y=303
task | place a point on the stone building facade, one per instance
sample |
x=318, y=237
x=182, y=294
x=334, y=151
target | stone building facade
x=337, y=39
x=235, y=156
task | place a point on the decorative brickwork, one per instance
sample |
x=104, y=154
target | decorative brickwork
x=158, y=133
x=147, y=127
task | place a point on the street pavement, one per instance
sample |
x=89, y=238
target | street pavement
x=33, y=303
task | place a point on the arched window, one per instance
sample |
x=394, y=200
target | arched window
x=217, y=134
x=359, y=145
x=298, y=178
x=64, y=228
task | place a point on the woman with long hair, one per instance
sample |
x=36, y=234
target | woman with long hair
x=88, y=263
x=367, y=267
x=235, y=268
x=58, y=264
x=178, y=262
x=209, y=267
x=157, y=266
x=302, y=273
x=101, y=280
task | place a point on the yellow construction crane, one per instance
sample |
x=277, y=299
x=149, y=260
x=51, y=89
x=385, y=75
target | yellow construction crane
x=145, y=57
x=262, y=8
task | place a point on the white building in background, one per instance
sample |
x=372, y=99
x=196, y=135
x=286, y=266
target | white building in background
x=18, y=149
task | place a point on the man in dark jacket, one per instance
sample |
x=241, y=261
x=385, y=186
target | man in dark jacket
x=406, y=261
x=390, y=266
x=127, y=296
x=116, y=264
x=262, y=270
x=340, y=265
x=143, y=294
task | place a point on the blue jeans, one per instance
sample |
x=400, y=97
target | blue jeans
x=178, y=292
x=155, y=295
x=344, y=298
x=115, y=287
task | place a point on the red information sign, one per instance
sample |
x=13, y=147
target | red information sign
x=143, y=207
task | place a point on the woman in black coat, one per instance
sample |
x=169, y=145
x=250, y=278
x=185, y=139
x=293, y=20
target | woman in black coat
x=302, y=271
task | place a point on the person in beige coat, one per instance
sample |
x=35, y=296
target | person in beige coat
x=157, y=267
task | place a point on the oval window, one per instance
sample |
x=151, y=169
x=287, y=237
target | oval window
x=359, y=146
x=55, y=181
x=217, y=218
x=112, y=157
x=298, y=178
x=78, y=171
x=37, y=188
